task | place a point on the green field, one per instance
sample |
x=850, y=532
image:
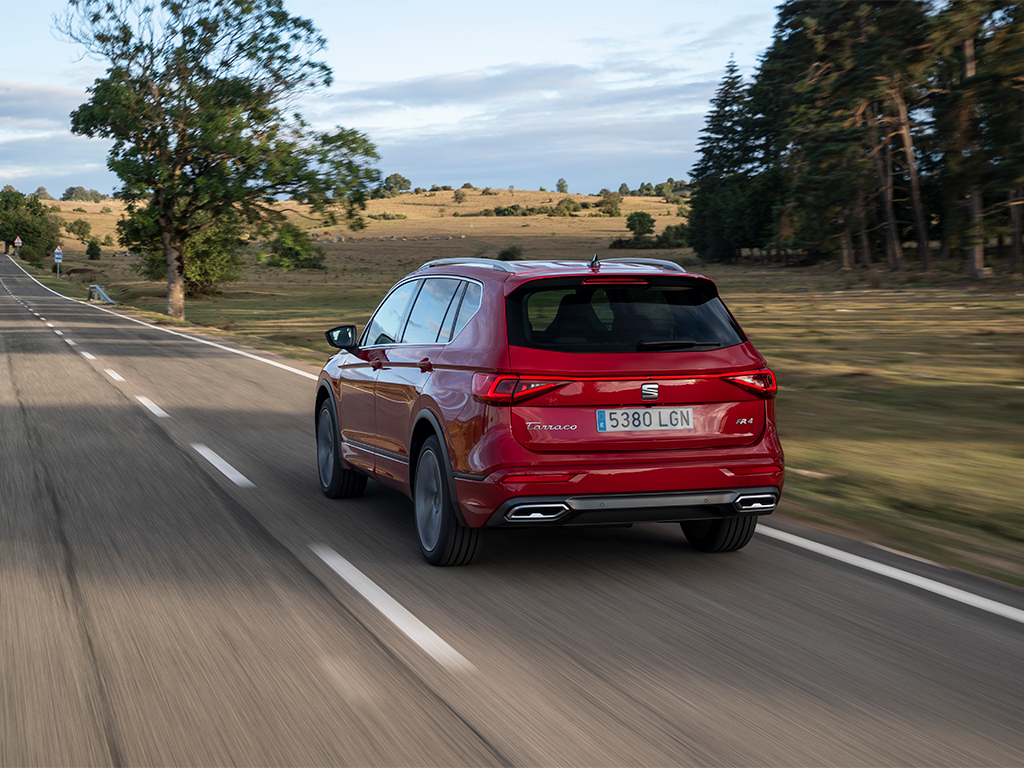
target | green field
x=901, y=402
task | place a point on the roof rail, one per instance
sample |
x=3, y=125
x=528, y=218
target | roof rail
x=501, y=266
x=649, y=262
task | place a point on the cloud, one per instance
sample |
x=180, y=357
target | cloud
x=31, y=107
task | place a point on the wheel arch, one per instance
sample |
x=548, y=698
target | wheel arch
x=426, y=424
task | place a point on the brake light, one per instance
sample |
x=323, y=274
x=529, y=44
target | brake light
x=616, y=281
x=759, y=382
x=508, y=388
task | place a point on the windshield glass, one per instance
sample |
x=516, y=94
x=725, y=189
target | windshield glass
x=583, y=315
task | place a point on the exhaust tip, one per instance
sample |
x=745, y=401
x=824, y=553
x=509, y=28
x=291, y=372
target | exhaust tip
x=756, y=502
x=536, y=512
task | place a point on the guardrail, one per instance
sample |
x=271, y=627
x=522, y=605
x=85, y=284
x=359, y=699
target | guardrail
x=100, y=294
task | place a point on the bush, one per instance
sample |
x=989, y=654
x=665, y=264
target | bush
x=108, y=241
x=487, y=212
x=93, y=250
x=106, y=209
x=31, y=254
x=79, y=210
x=292, y=249
x=387, y=216
x=467, y=185
x=640, y=223
x=510, y=253
x=488, y=191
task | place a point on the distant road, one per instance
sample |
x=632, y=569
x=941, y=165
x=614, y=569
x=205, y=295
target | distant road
x=175, y=590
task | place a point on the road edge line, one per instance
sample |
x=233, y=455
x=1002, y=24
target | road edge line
x=251, y=356
x=889, y=572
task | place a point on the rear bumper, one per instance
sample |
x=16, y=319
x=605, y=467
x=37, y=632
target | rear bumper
x=620, y=509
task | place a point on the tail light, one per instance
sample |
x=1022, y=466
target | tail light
x=508, y=388
x=761, y=383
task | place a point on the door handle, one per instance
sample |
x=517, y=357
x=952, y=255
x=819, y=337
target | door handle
x=425, y=365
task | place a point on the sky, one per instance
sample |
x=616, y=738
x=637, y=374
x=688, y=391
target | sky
x=522, y=94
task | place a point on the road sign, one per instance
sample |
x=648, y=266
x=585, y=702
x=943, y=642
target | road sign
x=17, y=242
x=58, y=254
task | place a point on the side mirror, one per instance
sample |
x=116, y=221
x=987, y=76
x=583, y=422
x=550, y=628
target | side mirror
x=342, y=337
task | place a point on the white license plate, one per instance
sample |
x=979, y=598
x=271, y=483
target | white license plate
x=644, y=419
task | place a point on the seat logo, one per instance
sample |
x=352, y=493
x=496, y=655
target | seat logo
x=648, y=391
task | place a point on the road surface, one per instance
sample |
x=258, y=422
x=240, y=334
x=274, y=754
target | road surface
x=175, y=590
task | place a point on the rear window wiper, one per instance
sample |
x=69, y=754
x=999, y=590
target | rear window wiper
x=643, y=346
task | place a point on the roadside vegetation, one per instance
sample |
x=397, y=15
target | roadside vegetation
x=901, y=403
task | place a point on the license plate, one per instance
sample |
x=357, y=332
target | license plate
x=644, y=419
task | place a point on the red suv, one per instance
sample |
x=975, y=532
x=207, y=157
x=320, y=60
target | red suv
x=508, y=394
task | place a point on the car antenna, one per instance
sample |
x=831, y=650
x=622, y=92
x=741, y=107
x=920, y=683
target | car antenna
x=594, y=263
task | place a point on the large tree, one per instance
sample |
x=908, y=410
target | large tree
x=198, y=100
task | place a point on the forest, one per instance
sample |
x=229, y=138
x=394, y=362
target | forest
x=885, y=134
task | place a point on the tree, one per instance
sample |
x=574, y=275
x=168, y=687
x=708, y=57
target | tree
x=562, y=187
x=395, y=184
x=82, y=195
x=460, y=196
x=640, y=223
x=212, y=257
x=29, y=219
x=197, y=101
x=93, y=250
x=623, y=189
x=80, y=228
x=609, y=203
x=42, y=194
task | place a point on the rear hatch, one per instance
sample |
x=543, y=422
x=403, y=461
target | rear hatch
x=621, y=363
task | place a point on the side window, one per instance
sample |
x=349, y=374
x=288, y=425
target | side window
x=386, y=325
x=449, y=319
x=428, y=312
x=470, y=304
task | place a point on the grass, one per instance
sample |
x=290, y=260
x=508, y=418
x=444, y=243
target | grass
x=901, y=402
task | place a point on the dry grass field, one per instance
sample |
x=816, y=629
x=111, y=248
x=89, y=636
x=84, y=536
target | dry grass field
x=901, y=400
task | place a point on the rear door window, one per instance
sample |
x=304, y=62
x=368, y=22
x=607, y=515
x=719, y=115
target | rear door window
x=659, y=314
x=429, y=311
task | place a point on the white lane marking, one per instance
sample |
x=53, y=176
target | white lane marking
x=71, y=343
x=415, y=629
x=929, y=585
x=153, y=407
x=59, y=333
x=226, y=469
x=49, y=325
x=113, y=374
x=251, y=356
x=86, y=355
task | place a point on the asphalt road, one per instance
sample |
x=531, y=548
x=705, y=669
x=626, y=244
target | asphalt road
x=174, y=590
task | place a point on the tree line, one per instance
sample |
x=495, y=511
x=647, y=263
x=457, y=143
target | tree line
x=868, y=125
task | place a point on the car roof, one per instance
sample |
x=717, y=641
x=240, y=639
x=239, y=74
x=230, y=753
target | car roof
x=518, y=272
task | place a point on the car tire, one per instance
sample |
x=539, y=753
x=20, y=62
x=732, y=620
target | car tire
x=726, y=535
x=444, y=541
x=336, y=480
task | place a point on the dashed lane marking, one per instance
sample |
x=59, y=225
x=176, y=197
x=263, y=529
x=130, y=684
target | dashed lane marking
x=226, y=469
x=155, y=409
x=394, y=611
x=113, y=374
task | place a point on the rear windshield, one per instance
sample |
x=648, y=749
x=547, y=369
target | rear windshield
x=581, y=315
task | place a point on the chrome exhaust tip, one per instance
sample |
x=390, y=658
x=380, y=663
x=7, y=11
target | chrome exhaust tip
x=756, y=502
x=536, y=512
